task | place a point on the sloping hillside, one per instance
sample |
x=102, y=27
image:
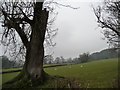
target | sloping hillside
x=104, y=54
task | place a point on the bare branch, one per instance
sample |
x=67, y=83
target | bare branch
x=108, y=19
x=69, y=6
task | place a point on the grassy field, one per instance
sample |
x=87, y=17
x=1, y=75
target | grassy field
x=10, y=69
x=95, y=74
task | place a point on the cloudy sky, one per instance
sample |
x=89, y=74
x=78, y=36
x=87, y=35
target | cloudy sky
x=78, y=31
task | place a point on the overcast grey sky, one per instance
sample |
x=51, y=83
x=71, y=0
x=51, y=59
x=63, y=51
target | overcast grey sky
x=78, y=32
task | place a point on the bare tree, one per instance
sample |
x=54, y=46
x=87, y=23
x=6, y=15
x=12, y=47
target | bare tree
x=48, y=59
x=26, y=26
x=28, y=20
x=108, y=18
x=83, y=57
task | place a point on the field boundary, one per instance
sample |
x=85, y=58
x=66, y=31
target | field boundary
x=12, y=71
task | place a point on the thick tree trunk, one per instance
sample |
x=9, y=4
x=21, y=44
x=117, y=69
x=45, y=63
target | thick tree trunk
x=33, y=67
x=35, y=54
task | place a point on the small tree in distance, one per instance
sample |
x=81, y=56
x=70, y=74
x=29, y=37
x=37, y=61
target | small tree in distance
x=48, y=59
x=83, y=57
x=57, y=60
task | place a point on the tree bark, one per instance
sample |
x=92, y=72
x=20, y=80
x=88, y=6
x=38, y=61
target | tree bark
x=35, y=52
x=33, y=66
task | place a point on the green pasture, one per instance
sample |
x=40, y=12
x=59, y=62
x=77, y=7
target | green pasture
x=95, y=74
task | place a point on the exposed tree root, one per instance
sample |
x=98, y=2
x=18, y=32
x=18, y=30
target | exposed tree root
x=49, y=82
x=23, y=81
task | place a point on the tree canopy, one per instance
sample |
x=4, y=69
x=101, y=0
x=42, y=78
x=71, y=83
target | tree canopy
x=108, y=18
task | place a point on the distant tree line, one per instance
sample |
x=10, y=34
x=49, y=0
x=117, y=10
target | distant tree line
x=105, y=54
x=6, y=63
x=49, y=59
x=83, y=58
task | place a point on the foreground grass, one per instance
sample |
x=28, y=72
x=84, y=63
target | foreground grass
x=96, y=74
